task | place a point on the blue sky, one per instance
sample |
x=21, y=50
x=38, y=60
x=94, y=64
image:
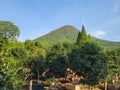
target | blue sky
x=38, y=17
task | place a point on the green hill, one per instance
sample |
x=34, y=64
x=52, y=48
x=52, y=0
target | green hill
x=63, y=34
x=69, y=34
x=106, y=44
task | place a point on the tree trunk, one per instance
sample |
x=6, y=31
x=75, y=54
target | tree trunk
x=30, y=87
x=38, y=75
x=91, y=87
x=105, y=85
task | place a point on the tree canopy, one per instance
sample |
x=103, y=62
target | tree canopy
x=83, y=37
x=90, y=62
x=9, y=30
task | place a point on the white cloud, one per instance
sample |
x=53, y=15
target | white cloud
x=98, y=34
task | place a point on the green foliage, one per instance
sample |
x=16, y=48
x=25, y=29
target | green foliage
x=57, y=59
x=10, y=70
x=18, y=51
x=36, y=57
x=9, y=30
x=83, y=37
x=30, y=45
x=11, y=73
x=37, y=63
x=39, y=44
x=4, y=45
x=58, y=67
x=34, y=51
x=90, y=62
x=114, y=61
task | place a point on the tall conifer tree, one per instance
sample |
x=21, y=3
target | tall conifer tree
x=83, y=37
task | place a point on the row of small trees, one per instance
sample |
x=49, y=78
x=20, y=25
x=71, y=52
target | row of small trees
x=84, y=57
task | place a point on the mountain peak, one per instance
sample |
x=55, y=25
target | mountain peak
x=65, y=33
x=68, y=27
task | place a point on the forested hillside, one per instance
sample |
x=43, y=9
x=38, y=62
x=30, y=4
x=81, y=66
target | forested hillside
x=69, y=34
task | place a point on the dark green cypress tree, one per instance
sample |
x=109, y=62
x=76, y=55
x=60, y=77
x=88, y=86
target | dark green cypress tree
x=83, y=37
x=79, y=38
x=84, y=31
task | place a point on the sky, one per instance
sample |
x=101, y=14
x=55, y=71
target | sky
x=39, y=17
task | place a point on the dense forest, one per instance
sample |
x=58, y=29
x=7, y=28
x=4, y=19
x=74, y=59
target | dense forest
x=83, y=55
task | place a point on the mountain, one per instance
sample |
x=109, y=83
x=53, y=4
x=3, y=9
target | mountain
x=69, y=34
x=66, y=33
